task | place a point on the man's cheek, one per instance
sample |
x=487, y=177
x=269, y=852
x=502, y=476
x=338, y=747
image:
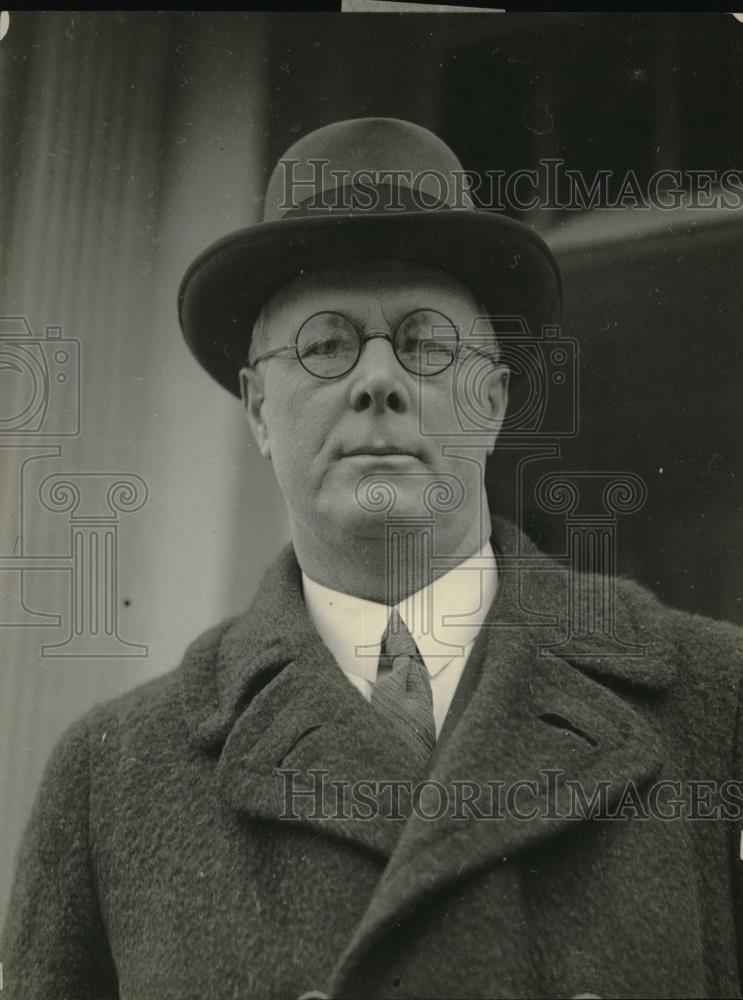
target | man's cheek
x=299, y=444
x=437, y=410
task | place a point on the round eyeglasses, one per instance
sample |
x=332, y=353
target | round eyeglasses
x=328, y=345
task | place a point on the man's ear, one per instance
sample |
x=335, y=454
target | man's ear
x=497, y=395
x=253, y=399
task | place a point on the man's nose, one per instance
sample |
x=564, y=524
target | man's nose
x=379, y=382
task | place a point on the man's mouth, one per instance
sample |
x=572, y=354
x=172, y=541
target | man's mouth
x=378, y=449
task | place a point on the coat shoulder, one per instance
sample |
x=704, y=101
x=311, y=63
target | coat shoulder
x=151, y=715
x=704, y=647
x=701, y=709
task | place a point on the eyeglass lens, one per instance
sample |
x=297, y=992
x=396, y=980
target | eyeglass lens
x=329, y=345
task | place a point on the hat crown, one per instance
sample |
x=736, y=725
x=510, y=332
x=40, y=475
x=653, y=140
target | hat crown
x=366, y=164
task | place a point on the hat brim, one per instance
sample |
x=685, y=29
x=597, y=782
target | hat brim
x=509, y=268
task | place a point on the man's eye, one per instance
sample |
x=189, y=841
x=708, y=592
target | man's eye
x=328, y=348
x=410, y=343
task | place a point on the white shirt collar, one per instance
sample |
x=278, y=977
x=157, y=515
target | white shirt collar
x=444, y=617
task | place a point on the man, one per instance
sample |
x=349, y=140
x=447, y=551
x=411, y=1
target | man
x=391, y=777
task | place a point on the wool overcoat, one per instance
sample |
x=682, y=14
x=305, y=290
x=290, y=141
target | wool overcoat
x=247, y=825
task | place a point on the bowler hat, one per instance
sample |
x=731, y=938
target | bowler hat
x=366, y=187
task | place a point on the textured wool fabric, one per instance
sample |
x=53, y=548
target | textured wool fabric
x=402, y=691
x=209, y=835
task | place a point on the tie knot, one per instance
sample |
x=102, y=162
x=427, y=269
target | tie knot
x=397, y=640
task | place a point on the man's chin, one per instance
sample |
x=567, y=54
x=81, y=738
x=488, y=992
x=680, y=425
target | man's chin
x=373, y=513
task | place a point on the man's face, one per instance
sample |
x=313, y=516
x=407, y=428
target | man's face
x=332, y=440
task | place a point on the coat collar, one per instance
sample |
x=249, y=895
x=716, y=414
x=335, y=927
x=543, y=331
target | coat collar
x=230, y=663
x=264, y=693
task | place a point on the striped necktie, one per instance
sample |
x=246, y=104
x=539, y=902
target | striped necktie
x=403, y=689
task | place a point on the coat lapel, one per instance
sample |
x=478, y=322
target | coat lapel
x=296, y=737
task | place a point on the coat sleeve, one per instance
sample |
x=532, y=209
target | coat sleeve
x=54, y=945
